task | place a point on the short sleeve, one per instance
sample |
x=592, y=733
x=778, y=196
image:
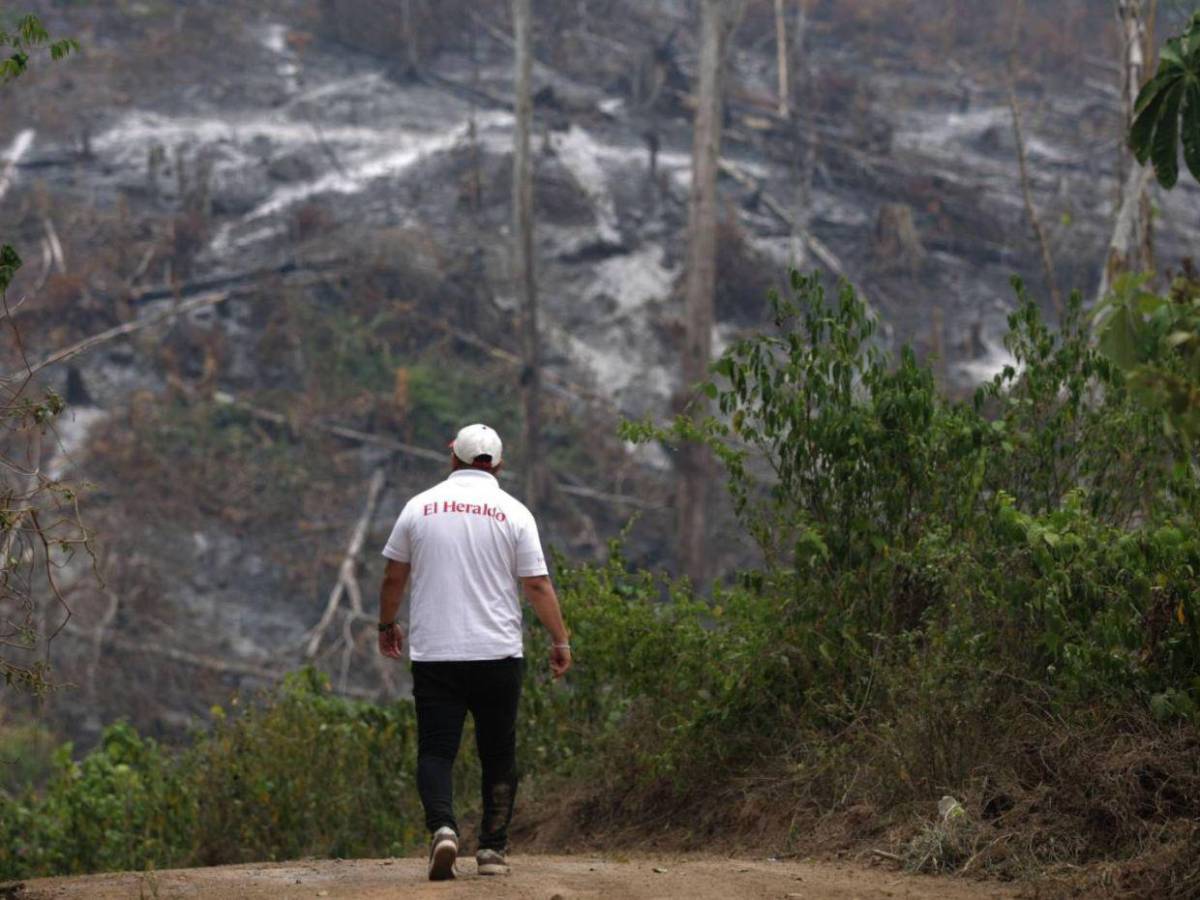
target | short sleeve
x=530, y=560
x=399, y=544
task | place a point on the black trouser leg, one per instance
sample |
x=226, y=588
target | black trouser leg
x=441, y=710
x=493, y=701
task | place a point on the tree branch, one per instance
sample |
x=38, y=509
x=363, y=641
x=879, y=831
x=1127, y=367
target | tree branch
x=347, y=580
x=60, y=356
x=374, y=440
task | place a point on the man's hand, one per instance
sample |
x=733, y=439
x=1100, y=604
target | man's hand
x=539, y=591
x=391, y=642
x=560, y=659
x=395, y=579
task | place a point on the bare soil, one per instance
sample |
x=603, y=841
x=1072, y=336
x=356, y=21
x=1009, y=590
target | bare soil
x=541, y=877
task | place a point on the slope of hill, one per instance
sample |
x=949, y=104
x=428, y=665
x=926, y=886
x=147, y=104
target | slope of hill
x=351, y=209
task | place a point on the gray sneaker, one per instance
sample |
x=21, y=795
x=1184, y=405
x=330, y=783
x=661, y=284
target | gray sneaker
x=491, y=862
x=443, y=850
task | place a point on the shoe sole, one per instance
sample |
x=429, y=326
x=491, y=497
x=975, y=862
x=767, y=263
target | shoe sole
x=441, y=863
x=493, y=869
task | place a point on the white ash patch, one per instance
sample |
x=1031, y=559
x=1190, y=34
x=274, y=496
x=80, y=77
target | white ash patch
x=633, y=279
x=71, y=430
x=581, y=154
x=988, y=366
x=12, y=156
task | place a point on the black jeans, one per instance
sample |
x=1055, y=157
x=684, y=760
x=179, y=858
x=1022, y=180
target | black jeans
x=444, y=692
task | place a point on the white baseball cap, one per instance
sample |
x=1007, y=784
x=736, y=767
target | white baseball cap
x=475, y=441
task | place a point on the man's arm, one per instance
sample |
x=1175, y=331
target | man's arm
x=391, y=595
x=539, y=591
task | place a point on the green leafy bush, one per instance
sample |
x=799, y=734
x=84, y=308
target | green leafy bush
x=927, y=561
x=298, y=772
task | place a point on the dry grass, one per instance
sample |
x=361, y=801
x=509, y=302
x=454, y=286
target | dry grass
x=1099, y=804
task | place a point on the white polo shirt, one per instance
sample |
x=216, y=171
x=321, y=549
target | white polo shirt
x=468, y=542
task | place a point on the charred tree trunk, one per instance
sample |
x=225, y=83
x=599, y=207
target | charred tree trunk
x=1133, y=229
x=695, y=462
x=411, y=55
x=804, y=128
x=1035, y=221
x=781, y=57
x=1131, y=31
x=531, y=378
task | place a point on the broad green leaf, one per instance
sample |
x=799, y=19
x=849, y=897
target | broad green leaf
x=1142, y=130
x=1191, y=127
x=1164, y=150
x=1154, y=87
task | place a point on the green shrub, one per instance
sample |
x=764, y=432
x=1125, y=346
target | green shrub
x=305, y=773
x=296, y=772
x=124, y=804
x=1038, y=536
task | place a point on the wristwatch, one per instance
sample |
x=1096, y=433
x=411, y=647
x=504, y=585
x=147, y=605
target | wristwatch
x=384, y=626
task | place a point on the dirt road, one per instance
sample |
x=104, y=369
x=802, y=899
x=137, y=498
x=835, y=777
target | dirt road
x=533, y=878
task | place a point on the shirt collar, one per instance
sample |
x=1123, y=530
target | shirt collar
x=472, y=475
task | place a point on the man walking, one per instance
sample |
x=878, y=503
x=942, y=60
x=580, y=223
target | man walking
x=464, y=544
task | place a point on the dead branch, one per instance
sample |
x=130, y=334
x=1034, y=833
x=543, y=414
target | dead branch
x=819, y=249
x=347, y=579
x=553, y=382
x=374, y=440
x=883, y=854
x=218, y=291
x=142, y=265
x=350, y=434
x=542, y=69
x=1019, y=136
x=101, y=632
x=145, y=647
x=47, y=264
x=56, y=250
x=170, y=290
x=32, y=478
x=95, y=340
x=473, y=94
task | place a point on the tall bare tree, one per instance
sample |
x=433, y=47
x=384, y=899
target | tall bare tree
x=1136, y=48
x=695, y=462
x=1132, y=245
x=411, y=53
x=781, y=56
x=1022, y=163
x=523, y=265
x=803, y=82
